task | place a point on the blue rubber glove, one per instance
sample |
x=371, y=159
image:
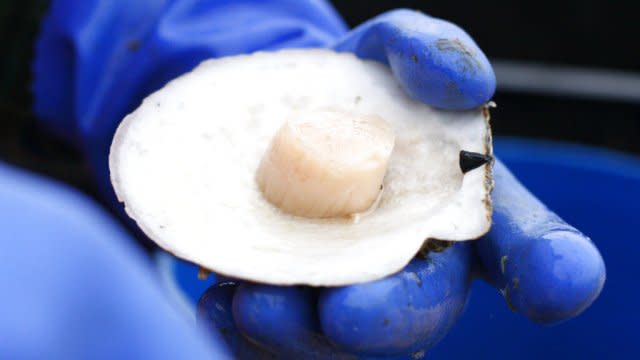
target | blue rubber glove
x=74, y=286
x=97, y=61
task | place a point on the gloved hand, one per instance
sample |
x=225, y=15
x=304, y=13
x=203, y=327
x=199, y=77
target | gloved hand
x=73, y=284
x=97, y=61
x=544, y=267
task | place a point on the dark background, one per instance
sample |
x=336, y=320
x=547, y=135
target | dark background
x=587, y=33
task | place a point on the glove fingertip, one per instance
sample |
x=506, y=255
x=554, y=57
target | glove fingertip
x=544, y=267
x=444, y=68
x=564, y=275
x=435, y=61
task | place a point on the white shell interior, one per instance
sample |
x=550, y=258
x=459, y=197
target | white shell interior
x=184, y=165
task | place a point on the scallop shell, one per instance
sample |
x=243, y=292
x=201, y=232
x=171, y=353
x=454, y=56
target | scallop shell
x=184, y=165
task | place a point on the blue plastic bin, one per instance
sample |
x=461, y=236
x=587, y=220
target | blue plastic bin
x=596, y=190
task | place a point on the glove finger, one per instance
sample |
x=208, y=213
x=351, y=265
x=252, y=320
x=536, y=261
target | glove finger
x=283, y=320
x=405, y=313
x=435, y=61
x=544, y=267
x=214, y=315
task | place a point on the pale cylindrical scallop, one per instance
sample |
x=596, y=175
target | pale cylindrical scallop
x=326, y=163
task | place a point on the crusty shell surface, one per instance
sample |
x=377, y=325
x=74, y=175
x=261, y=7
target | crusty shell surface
x=184, y=166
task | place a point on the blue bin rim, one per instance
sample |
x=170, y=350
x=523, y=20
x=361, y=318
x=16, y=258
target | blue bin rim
x=566, y=154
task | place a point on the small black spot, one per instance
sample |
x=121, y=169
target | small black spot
x=133, y=45
x=381, y=186
x=414, y=57
x=357, y=99
x=157, y=104
x=472, y=160
x=162, y=226
x=435, y=245
x=385, y=322
x=203, y=274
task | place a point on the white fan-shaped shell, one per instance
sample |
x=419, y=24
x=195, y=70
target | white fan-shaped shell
x=184, y=165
